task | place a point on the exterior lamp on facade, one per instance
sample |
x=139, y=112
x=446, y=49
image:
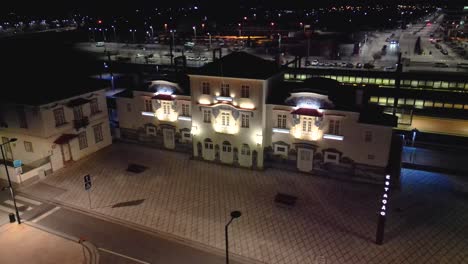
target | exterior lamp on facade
x=259, y=139
x=194, y=130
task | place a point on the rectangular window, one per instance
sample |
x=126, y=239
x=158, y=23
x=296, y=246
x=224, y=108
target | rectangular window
x=334, y=127
x=82, y=140
x=281, y=121
x=148, y=105
x=368, y=136
x=28, y=146
x=225, y=119
x=225, y=90
x=281, y=149
x=207, y=116
x=166, y=107
x=245, y=120
x=307, y=124
x=94, y=106
x=78, y=112
x=22, y=117
x=205, y=87
x=185, y=110
x=98, y=133
x=245, y=92
x=59, y=116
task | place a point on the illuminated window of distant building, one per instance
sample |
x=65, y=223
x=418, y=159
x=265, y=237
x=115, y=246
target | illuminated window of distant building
x=334, y=127
x=245, y=91
x=368, y=136
x=225, y=90
x=28, y=147
x=166, y=107
x=307, y=124
x=428, y=104
x=245, y=150
x=148, y=105
x=185, y=110
x=226, y=146
x=225, y=118
x=207, y=116
x=245, y=120
x=281, y=121
x=205, y=87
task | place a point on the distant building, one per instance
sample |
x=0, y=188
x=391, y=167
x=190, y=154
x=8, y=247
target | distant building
x=54, y=127
x=240, y=112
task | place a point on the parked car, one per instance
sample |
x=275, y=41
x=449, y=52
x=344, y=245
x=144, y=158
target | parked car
x=444, y=51
x=315, y=63
x=441, y=65
x=462, y=65
x=437, y=46
x=349, y=65
x=343, y=64
x=389, y=68
x=359, y=65
x=100, y=44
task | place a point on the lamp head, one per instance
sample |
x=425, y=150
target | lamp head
x=236, y=214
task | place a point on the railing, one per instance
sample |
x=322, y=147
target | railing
x=79, y=123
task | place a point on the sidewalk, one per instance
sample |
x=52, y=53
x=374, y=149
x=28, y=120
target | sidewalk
x=25, y=244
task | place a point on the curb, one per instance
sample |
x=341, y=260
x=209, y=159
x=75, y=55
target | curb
x=90, y=248
x=154, y=232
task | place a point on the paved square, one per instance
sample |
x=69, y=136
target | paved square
x=332, y=222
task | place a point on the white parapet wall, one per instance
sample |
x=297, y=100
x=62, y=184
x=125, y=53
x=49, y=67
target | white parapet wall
x=22, y=177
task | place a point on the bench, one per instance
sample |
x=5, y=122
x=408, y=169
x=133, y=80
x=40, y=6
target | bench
x=285, y=199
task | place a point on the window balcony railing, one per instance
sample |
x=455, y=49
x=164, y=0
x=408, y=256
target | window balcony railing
x=79, y=123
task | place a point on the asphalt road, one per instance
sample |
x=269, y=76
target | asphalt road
x=118, y=243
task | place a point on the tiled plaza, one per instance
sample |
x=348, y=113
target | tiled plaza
x=332, y=222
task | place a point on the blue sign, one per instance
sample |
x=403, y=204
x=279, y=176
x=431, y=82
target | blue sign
x=17, y=163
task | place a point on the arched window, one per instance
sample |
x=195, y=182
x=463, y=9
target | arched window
x=208, y=143
x=226, y=146
x=245, y=149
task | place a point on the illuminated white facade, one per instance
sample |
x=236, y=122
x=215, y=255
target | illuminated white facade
x=56, y=133
x=230, y=120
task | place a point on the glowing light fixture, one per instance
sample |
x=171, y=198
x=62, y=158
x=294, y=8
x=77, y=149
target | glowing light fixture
x=334, y=137
x=224, y=98
x=148, y=114
x=281, y=130
x=185, y=118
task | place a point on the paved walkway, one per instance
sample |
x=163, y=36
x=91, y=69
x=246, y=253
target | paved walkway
x=332, y=222
x=21, y=244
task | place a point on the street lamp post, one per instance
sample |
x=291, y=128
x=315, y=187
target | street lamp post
x=133, y=34
x=234, y=215
x=209, y=38
x=12, y=193
x=195, y=35
x=115, y=34
x=152, y=33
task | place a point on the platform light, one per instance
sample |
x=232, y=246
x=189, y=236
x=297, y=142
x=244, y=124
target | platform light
x=334, y=137
x=148, y=114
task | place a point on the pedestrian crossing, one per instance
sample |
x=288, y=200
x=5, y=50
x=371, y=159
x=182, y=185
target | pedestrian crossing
x=24, y=204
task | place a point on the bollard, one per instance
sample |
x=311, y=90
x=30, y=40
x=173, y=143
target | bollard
x=12, y=218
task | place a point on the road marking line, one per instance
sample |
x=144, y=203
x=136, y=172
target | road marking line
x=9, y=210
x=22, y=198
x=10, y=202
x=123, y=256
x=46, y=214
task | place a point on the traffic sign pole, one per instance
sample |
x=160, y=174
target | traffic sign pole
x=88, y=185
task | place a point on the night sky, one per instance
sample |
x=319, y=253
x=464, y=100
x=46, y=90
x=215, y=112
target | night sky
x=108, y=6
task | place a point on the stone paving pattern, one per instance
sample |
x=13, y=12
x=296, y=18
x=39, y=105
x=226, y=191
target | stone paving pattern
x=332, y=222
